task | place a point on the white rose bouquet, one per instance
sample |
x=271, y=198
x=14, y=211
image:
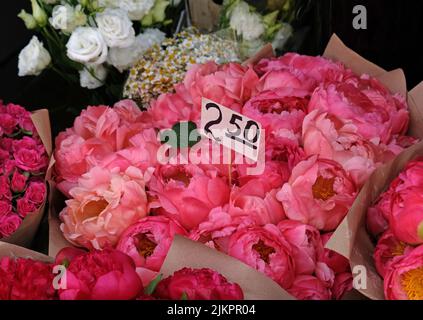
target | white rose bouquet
x=92, y=42
x=255, y=23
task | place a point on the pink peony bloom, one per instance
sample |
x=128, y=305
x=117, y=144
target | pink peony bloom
x=104, y=205
x=128, y=111
x=256, y=201
x=99, y=275
x=285, y=78
x=25, y=279
x=318, y=193
x=18, y=182
x=282, y=108
x=187, y=193
x=147, y=243
x=387, y=248
x=309, y=288
x=9, y=224
x=267, y=250
x=306, y=243
x=403, y=277
x=198, y=284
x=318, y=69
x=230, y=85
x=215, y=232
x=328, y=137
x=376, y=221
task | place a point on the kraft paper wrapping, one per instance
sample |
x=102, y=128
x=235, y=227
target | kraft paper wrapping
x=29, y=227
x=351, y=238
x=185, y=253
x=13, y=251
x=204, y=14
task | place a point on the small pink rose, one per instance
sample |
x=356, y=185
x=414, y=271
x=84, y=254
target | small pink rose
x=25, y=207
x=18, y=182
x=5, y=192
x=7, y=123
x=5, y=208
x=36, y=192
x=9, y=224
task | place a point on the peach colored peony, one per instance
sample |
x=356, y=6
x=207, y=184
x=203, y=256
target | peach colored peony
x=318, y=193
x=103, y=205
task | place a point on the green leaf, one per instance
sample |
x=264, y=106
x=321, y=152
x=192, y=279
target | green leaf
x=149, y=290
x=65, y=263
x=184, y=296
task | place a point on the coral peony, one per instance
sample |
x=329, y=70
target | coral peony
x=147, y=243
x=309, y=288
x=104, y=204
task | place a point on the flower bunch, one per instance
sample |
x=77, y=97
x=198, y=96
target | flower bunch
x=89, y=39
x=326, y=130
x=163, y=66
x=23, y=164
x=397, y=222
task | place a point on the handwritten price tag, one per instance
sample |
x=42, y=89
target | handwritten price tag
x=231, y=129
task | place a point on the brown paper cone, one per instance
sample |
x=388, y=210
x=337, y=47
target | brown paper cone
x=351, y=238
x=185, y=253
x=29, y=227
x=13, y=251
x=204, y=14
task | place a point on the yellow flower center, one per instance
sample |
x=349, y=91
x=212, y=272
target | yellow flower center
x=399, y=249
x=323, y=188
x=145, y=246
x=263, y=250
x=412, y=284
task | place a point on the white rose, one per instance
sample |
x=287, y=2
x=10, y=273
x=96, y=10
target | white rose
x=136, y=9
x=116, y=28
x=87, y=45
x=247, y=24
x=124, y=58
x=33, y=59
x=92, y=76
x=67, y=18
x=282, y=36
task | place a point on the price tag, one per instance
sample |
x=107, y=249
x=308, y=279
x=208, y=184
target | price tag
x=231, y=129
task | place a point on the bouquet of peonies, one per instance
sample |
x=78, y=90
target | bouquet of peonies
x=100, y=275
x=24, y=161
x=87, y=40
x=397, y=222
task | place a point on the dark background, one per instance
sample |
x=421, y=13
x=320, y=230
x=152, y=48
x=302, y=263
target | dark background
x=391, y=41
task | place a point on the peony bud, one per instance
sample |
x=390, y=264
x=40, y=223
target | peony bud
x=28, y=19
x=39, y=14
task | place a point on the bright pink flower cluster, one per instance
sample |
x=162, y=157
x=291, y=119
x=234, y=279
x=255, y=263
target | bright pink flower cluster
x=327, y=129
x=397, y=222
x=23, y=163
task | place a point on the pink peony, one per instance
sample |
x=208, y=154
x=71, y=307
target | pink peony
x=198, y=284
x=328, y=137
x=318, y=69
x=147, y=243
x=215, y=232
x=187, y=193
x=75, y=156
x=285, y=78
x=387, y=248
x=306, y=243
x=25, y=279
x=318, y=193
x=230, y=85
x=403, y=277
x=335, y=261
x=256, y=201
x=104, y=205
x=18, y=182
x=267, y=250
x=99, y=275
x=282, y=108
x=309, y=288
x=128, y=111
